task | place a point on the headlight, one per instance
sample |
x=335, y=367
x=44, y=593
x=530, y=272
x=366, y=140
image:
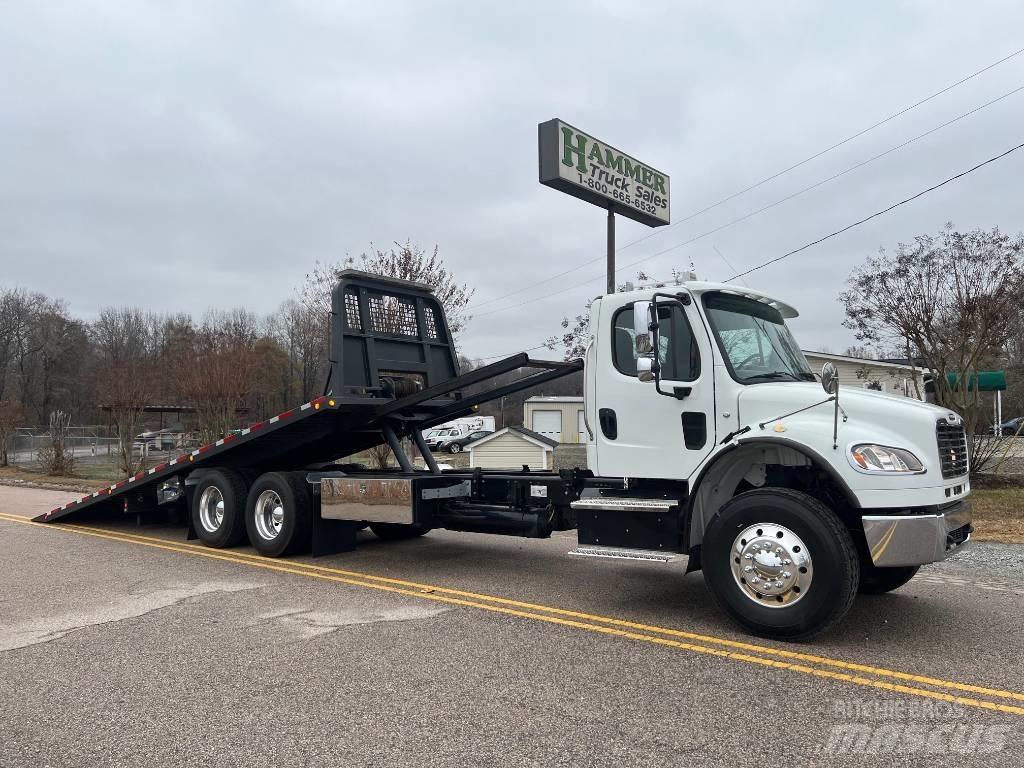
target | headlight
x=880, y=458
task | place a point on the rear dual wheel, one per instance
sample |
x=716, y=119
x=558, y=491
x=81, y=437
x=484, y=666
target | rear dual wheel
x=279, y=514
x=218, y=508
x=275, y=510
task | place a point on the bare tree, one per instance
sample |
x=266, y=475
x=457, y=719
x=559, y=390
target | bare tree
x=124, y=375
x=860, y=351
x=17, y=307
x=952, y=301
x=125, y=389
x=576, y=332
x=270, y=378
x=1013, y=362
x=56, y=456
x=12, y=416
x=218, y=371
x=303, y=332
x=50, y=375
x=380, y=456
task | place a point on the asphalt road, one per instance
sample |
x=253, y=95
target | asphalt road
x=127, y=646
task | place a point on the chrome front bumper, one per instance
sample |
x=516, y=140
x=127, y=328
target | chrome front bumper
x=895, y=540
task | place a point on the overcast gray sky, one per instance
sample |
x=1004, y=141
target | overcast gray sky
x=189, y=155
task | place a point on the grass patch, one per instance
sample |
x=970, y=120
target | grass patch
x=998, y=514
x=36, y=479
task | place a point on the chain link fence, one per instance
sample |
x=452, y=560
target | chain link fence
x=88, y=446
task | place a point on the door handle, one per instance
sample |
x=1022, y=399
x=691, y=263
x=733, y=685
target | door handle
x=609, y=423
x=695, y=429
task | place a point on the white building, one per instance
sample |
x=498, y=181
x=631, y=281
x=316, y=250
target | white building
x=559, y=418
x=864, y=373
x=512, y=448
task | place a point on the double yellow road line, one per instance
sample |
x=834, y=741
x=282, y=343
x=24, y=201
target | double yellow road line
x=865, y=675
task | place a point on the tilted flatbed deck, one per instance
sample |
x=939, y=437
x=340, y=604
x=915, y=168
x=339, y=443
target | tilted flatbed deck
x=323, y=430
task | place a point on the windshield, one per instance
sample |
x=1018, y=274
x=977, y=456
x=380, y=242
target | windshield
x=755, y=340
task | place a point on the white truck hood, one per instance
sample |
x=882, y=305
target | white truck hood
x=870, y=417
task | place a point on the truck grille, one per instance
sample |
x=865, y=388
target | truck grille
x=952, y=442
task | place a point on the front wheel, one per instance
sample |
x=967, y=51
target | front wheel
x=279, y=514
x=878, y=581
x=455, y=448
x=780, y=563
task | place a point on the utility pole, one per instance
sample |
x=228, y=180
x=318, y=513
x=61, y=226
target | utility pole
x=611, y=252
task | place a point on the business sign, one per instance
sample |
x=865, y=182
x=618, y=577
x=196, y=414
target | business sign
x=579, y=165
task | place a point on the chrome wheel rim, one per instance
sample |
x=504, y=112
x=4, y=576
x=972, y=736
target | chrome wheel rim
x=269, y=514
x=211, y=509
x=771, y=565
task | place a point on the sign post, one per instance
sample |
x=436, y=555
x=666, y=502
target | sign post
x=611, y=252
x=576, y=163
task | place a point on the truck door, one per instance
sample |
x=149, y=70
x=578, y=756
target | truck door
x=639, y=432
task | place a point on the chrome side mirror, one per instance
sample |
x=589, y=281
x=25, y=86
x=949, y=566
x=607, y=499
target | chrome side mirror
x=645, y=368
x=642, y=328
x=829, y=378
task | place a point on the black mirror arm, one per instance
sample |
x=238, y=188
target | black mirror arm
x=679, y=393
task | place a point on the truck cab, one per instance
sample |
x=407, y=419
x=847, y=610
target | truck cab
x=700, y=391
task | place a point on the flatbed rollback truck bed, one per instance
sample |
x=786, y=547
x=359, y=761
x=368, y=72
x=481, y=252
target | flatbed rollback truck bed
x=393, y=373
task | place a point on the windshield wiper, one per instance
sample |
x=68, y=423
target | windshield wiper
x=774, y=375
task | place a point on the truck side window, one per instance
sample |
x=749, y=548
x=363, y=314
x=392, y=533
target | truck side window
x=678, y=354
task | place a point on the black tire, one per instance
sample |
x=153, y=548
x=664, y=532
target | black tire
x=230, y=529
x=397, y=531
x=878, y=581
x=295, y=532
x=454, y=448
x=835, y=565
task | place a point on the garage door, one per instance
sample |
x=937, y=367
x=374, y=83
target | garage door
x=548, y=423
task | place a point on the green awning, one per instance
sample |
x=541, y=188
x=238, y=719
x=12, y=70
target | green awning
x=982, y=381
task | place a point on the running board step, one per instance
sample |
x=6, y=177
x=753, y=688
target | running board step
x=619, y=504
x=615, y=553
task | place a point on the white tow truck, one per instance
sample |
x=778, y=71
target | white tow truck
x=707, y=436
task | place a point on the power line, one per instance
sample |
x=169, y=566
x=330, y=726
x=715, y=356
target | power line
x=850, y=138
x=499, y=357
x=821, y=183
x=767, y=207
x=857, y=223
x=876, y=214
x=765, y=180
x=722, y=257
